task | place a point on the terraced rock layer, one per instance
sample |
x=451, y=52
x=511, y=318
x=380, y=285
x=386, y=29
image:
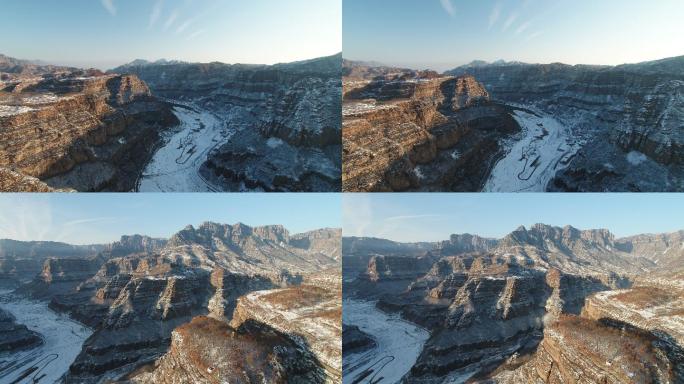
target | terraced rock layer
x=285, y=119
x=422, y=133
x=630, y=118
x=88, y=133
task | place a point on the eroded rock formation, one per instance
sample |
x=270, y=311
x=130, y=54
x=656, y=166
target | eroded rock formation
x=420, y=131
x=78, y=130
x=542, y=305
x=285, y=118
x=628, y=117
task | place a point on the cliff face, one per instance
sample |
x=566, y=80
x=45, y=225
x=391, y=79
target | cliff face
x=21, y=261
x=576, y=350
x=286, y=119
x=310, y=314
x=87, y=133
x=543, y=305
x=623, y=113
x=143, y=288
x=358, y=251
x=420, y=133
x=15, y=336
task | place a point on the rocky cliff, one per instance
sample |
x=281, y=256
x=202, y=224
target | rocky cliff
x=285, y=118
x=136, y=291
x=358, y=251
x=311, y=314
x=523, y=310
x=630, y=118
x=84, y=131
x=209, y=351
x=576, y=350
x=15, y=336
x=420, y=131
x=21, y=261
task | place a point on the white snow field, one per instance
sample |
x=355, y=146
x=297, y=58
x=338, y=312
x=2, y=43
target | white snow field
x=62, y=341
x=175, y=165
x=399, y=343
x=530, y=163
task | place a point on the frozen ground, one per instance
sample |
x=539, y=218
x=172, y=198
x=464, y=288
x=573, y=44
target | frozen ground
x=545, y=147
x=63, y=339
x=175, y=166
x=399, y=343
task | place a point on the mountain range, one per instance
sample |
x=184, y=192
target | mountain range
x=140, y=294
x=542, y=304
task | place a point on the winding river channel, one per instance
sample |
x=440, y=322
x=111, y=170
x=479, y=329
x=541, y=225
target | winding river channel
x=399, y=343
x=63, y=339
x=175, y=166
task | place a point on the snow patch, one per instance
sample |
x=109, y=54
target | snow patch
x=545, y=147
x=12, y=110
x=636, y=158
x=274, y=142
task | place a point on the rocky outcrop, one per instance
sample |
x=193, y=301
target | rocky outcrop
x=358, y=251
x=17, y=182
x=15, y=336
x=310, y=314
x=21, y=261
x=629, y=118
x=209, y=351
x=355, y=340
x=576, y=350
x=90, y=133
x=466, y=243
x=326, y=241
x=239, y=248
x=134, y=244
x=286, y=118
x=426, y=133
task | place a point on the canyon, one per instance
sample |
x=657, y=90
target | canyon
x=541, y=305
x=171, y=126
x=165, y=310
x=273, y=128
x=514, y=127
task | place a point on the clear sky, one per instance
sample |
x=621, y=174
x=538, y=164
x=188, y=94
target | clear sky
x=442, y=34
x=107, y=33
x=433, y=217
x=102, y=218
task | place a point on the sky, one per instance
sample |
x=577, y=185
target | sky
x=107, y=33
x=434, y=217
x=103, y=218
x=443, y=34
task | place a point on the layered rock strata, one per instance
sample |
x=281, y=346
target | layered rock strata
x=15, y=336
x=89, y=133
x=209, y=351
x=523, y=310
x=285, y=118
x=629, y=116
x=420, y=133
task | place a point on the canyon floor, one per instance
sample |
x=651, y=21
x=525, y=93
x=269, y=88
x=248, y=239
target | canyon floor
x=62, y=340
x=175, y=166
x=398, y=344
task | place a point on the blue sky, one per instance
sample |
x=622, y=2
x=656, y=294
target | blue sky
x=101, y=218
x=442, y=34
x=107, y=33
x=433, y=217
